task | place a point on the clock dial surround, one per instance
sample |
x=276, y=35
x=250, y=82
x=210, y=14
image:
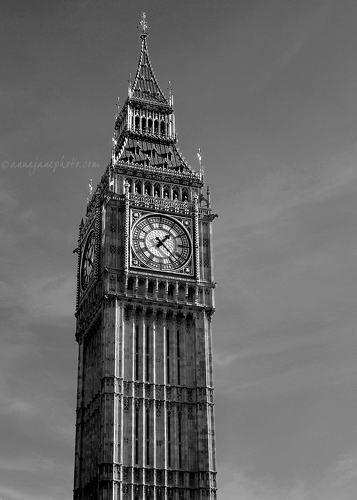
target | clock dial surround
x=87, y=265
x=161, y=243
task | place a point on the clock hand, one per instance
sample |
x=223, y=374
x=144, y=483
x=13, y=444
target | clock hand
x=168, y=250
x=161, y=242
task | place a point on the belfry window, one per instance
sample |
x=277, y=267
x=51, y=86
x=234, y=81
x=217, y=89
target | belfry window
x=166, y=191
x=157, y=190
x=138, y=187
x=148, y=188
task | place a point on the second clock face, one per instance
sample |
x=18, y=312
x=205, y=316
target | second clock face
x=87, y=267
x=161, y=243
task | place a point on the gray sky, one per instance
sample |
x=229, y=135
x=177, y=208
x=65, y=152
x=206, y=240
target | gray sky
x=268, y=91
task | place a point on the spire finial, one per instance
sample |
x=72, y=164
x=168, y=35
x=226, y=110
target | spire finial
x=90, y=189
x=170, y=94
x=199, y=156
x=144, y=27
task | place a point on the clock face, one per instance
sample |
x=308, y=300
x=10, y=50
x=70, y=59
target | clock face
x=161, y=243
x=87, y=266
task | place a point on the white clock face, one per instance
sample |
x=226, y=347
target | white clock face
x=161, y=243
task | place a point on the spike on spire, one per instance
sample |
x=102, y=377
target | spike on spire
x=144, y=27
x=171, y=99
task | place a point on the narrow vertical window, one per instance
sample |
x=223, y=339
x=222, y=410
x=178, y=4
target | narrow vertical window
x=178, y=358
x=137, y=353
x=147, y=371
x=168, y=441
x=167, y=356
x=147, y=438
x=180, y=441
x=136, y=424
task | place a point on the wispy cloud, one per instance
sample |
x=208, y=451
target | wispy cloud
x=344, y=473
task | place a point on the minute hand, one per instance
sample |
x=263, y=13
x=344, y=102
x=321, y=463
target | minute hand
x=163, y=244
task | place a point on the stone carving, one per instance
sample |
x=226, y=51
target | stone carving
x=126, y=405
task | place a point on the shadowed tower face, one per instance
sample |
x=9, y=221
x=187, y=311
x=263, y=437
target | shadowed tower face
x=145, y=299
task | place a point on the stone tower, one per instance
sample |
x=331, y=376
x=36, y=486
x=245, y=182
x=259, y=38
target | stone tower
x=145, y=299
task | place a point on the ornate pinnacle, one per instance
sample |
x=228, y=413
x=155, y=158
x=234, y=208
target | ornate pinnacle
x=144, y=27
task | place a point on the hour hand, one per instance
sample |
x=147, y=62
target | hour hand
x=165, y=238
x=159, y=242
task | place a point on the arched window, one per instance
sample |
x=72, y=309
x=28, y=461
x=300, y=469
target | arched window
x=137, y=122
x=176, y=193
x=143, y=123
x=156, y=126
x=185, y=195
x=166, y=191
x=162, y=127
x=147, y=188
x=157, y=190
x=150, y=124
x=138, y=187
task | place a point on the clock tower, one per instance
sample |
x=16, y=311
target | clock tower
x=145, y=299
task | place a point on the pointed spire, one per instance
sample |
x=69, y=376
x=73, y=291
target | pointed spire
x=145, y=85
